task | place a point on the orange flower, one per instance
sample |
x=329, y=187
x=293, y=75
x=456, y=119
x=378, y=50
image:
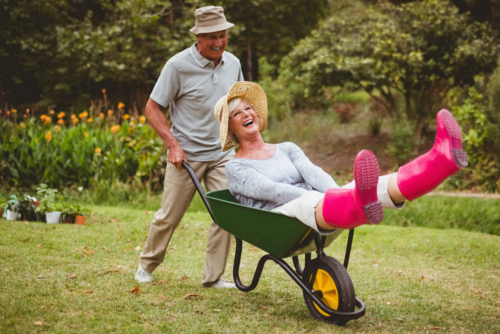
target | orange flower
x=60, y=121
x=97, y=150
x=121, y=105
x=25, y=116
x=0, y=111
x=126, y=116
x=104, y=91
x=22, y=125
x=86, y=134
x=110, y=112
x=73, y=116
x=101, y=115
x=83, y=115
x=61, y=114
x=115, y=128
x=142, y=119
x=28, y=110
x=57, y=128
x=43, y=117
x=48, y=120
x=48, y=136
x=8, y=112
x=52, y=112
x=75, y=120
x=90, y=120
x=14, y=110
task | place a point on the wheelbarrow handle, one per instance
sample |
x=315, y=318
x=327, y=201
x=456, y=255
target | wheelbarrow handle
x=198, y=187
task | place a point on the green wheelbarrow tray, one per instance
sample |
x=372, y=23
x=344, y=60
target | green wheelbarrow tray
x=281, y=237
x=277, y=234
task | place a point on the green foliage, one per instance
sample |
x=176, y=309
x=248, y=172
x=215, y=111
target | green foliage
x=76, y=48
x=375, y=126
x=81, y=155
x=402, y=143
x=415, y=49
x=47, y=198
x=13, y=204
x=471, y=115
x=279, y=97
x=73, y=210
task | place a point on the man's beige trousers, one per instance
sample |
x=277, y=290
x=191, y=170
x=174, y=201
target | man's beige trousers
x=178, y=192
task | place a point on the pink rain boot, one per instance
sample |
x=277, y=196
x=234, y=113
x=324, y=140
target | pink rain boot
x=420, y=176
x=350, y=208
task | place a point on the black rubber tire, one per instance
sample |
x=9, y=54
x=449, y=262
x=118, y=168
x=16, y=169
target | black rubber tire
x=345, y=288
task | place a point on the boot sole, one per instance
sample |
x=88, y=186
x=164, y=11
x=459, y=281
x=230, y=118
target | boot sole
x=366, y=173
x=455, y=135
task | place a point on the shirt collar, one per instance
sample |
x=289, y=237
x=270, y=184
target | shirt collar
x=202, y=61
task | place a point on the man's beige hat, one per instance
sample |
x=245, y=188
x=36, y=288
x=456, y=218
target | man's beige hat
x=210, y=19
x=248, y=91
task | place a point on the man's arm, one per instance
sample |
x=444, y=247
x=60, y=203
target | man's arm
x=158, y=121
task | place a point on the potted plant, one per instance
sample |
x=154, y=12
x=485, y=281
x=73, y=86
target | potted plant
x=27, y=208
x=69, y=212
x=12, y=208
x=81, y=216
x=48, y=204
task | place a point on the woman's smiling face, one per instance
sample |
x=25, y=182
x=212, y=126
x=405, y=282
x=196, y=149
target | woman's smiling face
x=243, y=121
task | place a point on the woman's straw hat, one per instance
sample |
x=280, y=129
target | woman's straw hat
x=248, y=91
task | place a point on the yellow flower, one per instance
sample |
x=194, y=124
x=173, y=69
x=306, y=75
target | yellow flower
x=121, y=105
x=83, y=114
x=57, y=128
x=142, y=119
x=75, y=120
x=14, y=110
x=48, y=136
x=43, y=117
x=115, y=128
x=97, y=150
x=101, y=115
x=110, y=112
x=52, y=112
x=61, y=114
x=22, y=125
x=126, y=116
x=60, y=121
x=86, y=134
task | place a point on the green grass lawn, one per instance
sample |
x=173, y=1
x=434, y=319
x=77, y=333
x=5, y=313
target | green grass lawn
x=71, y=278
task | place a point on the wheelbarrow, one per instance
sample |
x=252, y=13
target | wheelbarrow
x=327, y=288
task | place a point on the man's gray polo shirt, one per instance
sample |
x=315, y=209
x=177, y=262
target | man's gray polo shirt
x=192, y=85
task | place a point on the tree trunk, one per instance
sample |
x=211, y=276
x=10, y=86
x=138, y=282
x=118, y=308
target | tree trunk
x=249, y=63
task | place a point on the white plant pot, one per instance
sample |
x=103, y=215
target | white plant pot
x=12, y=215
x=53, y=217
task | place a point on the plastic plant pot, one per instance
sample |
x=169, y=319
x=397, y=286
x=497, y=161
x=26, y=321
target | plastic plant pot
x=12, y=215
x=80, y=220
x=53, y=217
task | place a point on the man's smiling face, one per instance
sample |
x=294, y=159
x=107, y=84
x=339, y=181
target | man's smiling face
x=212, y=45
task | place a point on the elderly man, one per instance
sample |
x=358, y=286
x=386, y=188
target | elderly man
x=191, y=83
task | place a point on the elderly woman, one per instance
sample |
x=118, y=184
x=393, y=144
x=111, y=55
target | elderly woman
x=279, y=177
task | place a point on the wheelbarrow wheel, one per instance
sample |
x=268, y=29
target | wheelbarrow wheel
x=336, y=288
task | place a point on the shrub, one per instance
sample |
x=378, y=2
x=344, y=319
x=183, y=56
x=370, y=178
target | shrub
x=402, y=142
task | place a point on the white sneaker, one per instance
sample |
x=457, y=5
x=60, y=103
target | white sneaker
x=222, y=284
x=143, y=276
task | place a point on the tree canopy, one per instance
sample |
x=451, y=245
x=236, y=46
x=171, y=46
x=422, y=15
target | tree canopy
x=416, y=49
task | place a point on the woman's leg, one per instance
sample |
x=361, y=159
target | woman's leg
x=348, y=208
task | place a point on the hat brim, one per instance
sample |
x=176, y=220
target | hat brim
x=206, y=30
x=250, y=92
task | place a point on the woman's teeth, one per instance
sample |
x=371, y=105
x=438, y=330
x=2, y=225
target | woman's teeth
x=247, y=123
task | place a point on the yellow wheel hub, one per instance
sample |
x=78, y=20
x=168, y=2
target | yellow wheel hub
x=324, y=283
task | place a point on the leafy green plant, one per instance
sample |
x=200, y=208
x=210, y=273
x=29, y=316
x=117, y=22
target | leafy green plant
x=48, y=199
x=13, y=204
x=375, y=125
x=402, y=142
